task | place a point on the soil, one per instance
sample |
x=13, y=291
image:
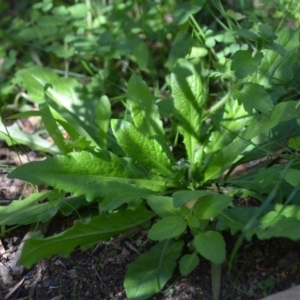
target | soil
x=260, y=267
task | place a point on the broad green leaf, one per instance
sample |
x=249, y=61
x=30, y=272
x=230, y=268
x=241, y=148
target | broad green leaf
x=80, y=128
x=84, y=234
x=103, y=112
x=144, y=111
x=224, y=158
x=162, y=206
x=273, y=65
x=292, y=176
x=247, y=34
x=211, y=205
x=167, y=228
x=53, y=129
x=185, y=9
x=244, y=64
x=182, y=197
x=70, y=204
x=188, y=263
x=141, y=54
x=211, y=245
x=180, y=48
x=294, y=143
x=280, y=226
x=188, y=102
x=104, y=175
x=253, y=96
x=266, y=33
x=33, y=141
x=27, y=211
x=282, y=112
x=63, y=90
x=149, y=273
x=140, y=147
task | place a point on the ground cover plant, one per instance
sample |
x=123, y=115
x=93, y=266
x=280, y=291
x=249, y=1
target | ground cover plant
x=153, y=141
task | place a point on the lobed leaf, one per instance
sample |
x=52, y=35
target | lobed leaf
x=140, y=147
x=187, y=92
x=104, y=175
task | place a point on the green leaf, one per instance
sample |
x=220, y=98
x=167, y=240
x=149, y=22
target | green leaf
x=53, y=129
x=33, y=141
x=103, y=112
x=167, y=228
x=211, y=245
x=247, y=34
x=254, y=96
x=162, y=206
x=28, y=210
x=244, y=64
x=180, y=48
x=282, y=112
x=188, y=102
x=211, y=205
x=141, y=54
x=140, y=147
x=184, y=10
x=104, y=175
x=144, y=111
x=182, y=197
x=188, y=263
x=84, y=234
x=63, y=90
x=292, y=176
x=294, y=143
x=279, y=226
x=149, y=273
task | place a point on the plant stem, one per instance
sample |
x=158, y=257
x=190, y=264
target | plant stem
x=216, y=272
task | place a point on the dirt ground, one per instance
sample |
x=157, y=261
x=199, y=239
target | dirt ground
x=260, y=267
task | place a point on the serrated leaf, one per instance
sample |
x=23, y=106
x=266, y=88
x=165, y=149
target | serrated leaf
x=244, y=64
x=140, y=147
x=188, y=98
x=188, y=263
x=104, y=175
x=211, y=245
x=149, y=273
x=167, y=228
x=84, y=234
x=162, y=206
x=211, y=206
x=28, y=210
x=253, y=96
